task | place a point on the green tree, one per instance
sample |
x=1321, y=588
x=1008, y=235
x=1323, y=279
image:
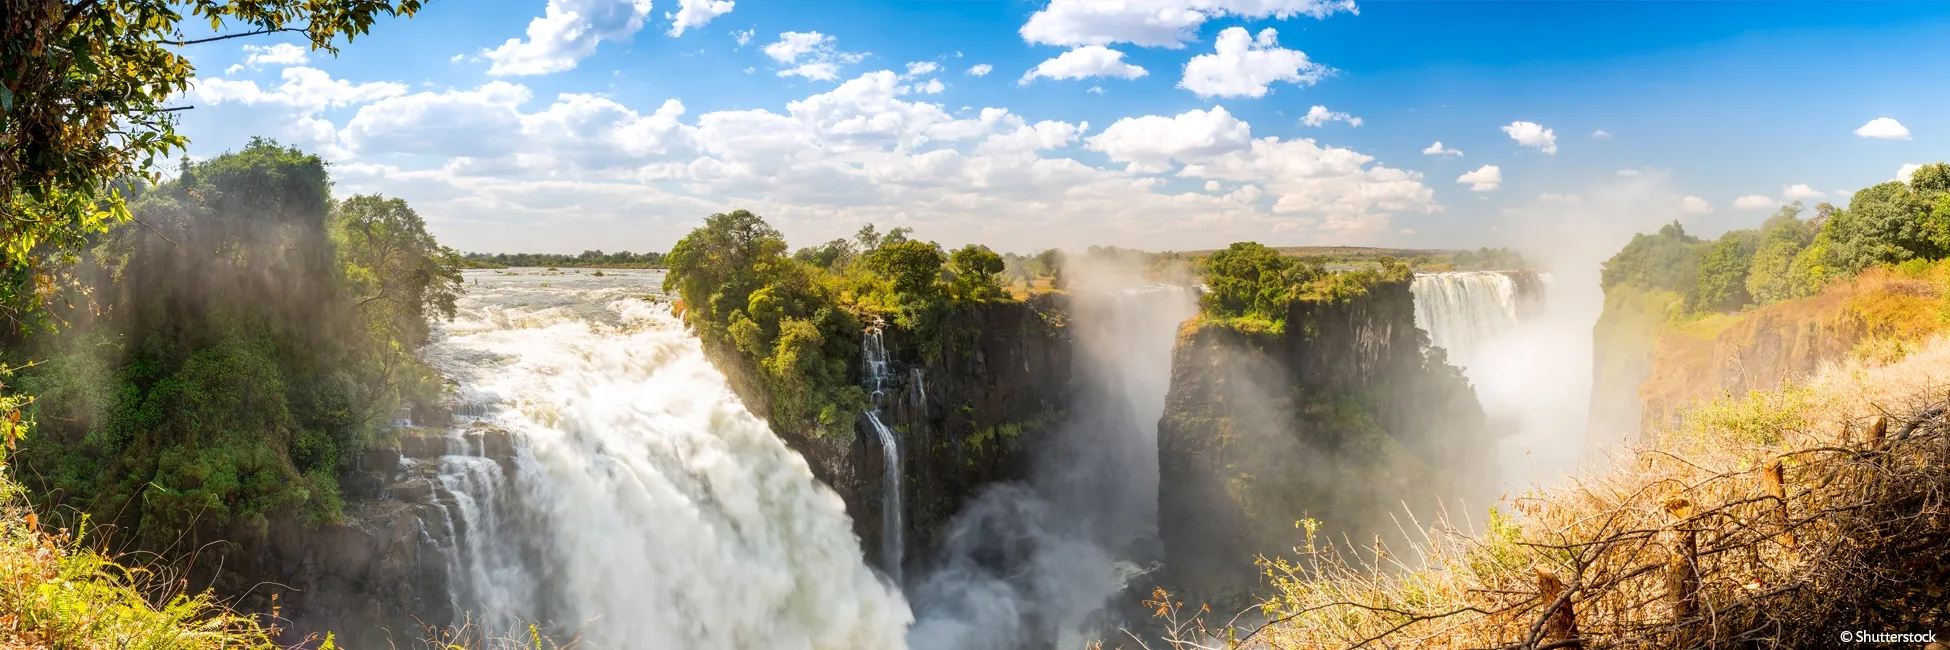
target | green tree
x=1723, y=272
x=1250, y=280
x=1667, y=260
x=1782, y=238
x=82, y=86
x=717, y=266
x=977, y=273
x=399, y=276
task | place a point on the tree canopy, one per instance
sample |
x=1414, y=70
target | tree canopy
x=83, y=85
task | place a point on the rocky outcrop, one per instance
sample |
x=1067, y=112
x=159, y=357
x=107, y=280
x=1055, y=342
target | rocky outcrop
x=376, y=577
x=967, y=407
x=1877, y=316
x=1339, y=419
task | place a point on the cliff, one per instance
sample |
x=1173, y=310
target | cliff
x=1338, y=419
x=1877, y=317
x=967, y=406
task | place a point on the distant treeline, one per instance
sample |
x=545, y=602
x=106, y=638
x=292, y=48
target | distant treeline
x=587, y=260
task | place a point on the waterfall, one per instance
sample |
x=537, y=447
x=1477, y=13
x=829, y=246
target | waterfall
x=1462, y=311
x=646, y=506
x=873, y=353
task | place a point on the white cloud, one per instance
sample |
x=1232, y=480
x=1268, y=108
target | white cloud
x=1084, y=62
x=566, y=33
x=744, y=38
x=1907, y=170
x=1532, y=134
x=981, y=70
x=305, y=90
x=1095, y=90
x=932, y=87
x=1695, y=205
x=922, y=68
x=1243, y=66
x=1600, y=134
x=1883, y=128
x=1319, y=115
x=1484, y=179
x=1212, y=186
x=1336, y=183
x=279, y=54
x=1755, y=202
x=696, y=13
x=1155, y=23
x=1438, y=150
x=1151, y=142
x=1801, y=191
x=811, y=54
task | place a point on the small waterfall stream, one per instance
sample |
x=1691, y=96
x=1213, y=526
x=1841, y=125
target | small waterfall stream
x=873, y=353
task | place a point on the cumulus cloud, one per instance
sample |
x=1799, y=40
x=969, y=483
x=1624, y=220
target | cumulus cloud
x=1600, y=134
x=1319, y=115
x=1156, y=23
x=279, y=54
x=1883, y=128
x=744, y=38
x=566, y=33
x=1151, y=142
x=981, y=70
x=921, y=68
x=811, y=55
x=1800, y=191
x=1695, y=205
x=696, y=13
x=1082, y=63
x=1484, y=179
x=1755, y=202
x=1907, y=170
x=305, y=90
x=1244, y=66
x=1532, y=134
x=1438, y=150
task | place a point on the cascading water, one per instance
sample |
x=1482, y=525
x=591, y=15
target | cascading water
x=647, y=508
x=1462, y=311
x=873, y=354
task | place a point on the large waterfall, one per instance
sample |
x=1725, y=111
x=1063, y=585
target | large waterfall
x=1463, y=311
x=648, y=507
x=873, y=354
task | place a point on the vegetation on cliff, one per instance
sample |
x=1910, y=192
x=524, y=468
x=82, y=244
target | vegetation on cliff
x=593, y=259
x=234, y=349
x=794, y=321
x=1772, y=519
x=1250, y=286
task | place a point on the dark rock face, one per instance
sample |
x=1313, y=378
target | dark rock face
x=965, y=416
x=376, y=577
x=1340, y=420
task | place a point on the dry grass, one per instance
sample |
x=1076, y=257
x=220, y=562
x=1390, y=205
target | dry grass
x=1778, y=519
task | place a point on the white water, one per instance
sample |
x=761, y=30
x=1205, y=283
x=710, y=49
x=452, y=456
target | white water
x=1464, y=311
x=873, y=354
x=649, y=509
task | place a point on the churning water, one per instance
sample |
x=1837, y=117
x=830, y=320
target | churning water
x=647, y=508
x=1464, y=311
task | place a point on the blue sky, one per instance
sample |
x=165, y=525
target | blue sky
x=564, y=125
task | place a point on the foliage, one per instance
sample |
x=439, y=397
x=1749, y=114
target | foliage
x=252, y=337
x=795, y=323
x=82, y=86
x=593, y=259
x=1722, y=282
x=1489, y=259
x=1249, y=286
x=1666, y=261
x=1770, y=278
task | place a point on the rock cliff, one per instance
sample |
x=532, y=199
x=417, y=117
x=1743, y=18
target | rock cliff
x=1340, y=418
x=966, y=409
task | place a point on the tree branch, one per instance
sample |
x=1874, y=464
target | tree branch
x=231, y=36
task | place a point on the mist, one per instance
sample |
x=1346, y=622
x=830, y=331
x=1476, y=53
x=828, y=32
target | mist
x=1039, y=562
x=1538, y=376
